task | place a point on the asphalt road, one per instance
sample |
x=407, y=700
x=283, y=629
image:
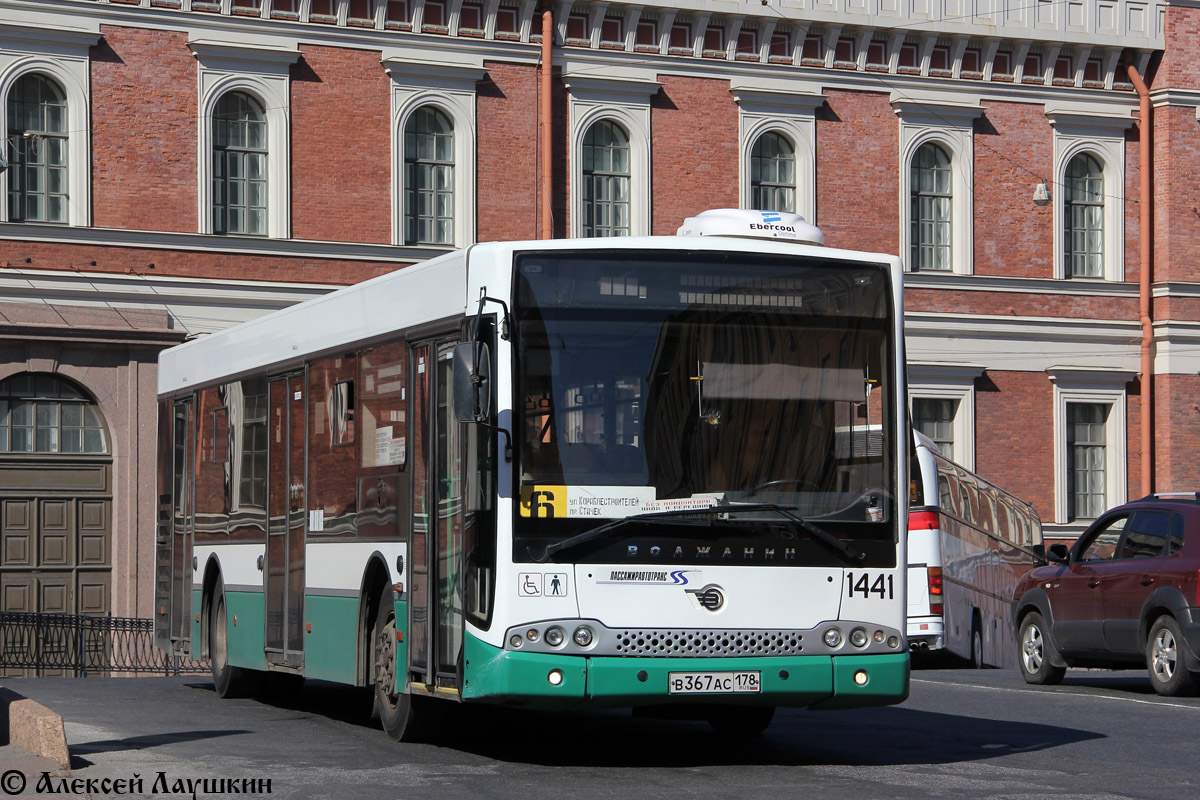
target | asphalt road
x=961, y=734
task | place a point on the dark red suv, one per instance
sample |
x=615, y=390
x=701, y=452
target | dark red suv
x=1124, y=594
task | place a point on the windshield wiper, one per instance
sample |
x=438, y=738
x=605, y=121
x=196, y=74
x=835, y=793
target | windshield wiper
x=842, y=548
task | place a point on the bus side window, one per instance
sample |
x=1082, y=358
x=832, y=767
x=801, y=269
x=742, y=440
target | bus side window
x=332, y=451
x=967, y=501
x=945, y=495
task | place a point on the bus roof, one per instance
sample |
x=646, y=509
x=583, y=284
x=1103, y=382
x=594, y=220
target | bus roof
x=439, y=289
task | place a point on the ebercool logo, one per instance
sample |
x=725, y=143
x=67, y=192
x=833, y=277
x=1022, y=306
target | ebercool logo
x=676, y=577
x=754, y=226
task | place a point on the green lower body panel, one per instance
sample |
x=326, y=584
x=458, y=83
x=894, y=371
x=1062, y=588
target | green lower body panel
x=544, y=680
x=245, y=613
x=331, y=637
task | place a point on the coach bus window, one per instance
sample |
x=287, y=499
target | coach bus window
x=332, y=502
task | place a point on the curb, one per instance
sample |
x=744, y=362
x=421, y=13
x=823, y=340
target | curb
x=34, y=728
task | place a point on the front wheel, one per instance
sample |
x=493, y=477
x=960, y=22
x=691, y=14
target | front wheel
x=740, y=720
x=1169, y=674
x=1036, y=652
x=976, y=647
x=398, y=711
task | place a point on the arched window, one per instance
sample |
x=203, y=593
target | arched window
x=239, y=166
x=931, y=197
x=606, y=180
x=45, y=414
x=1083, y=218
x=429, y=178
x=773, y=174
x=37, y=151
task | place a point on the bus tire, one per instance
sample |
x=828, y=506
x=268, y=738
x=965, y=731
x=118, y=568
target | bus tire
x=740, y=721
x=397, y=711
x=976, y=646
x=1036, y=653
x=228, y=680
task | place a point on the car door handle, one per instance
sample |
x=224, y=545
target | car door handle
x=1146, y=580
x=1093, y=583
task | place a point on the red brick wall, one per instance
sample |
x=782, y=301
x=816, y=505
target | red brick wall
x=858, y=184
x=1021, y=305
x=1014, y=150
x=1014, y=436
x=694, y=135
x=1176, y=211
x=508, y=156
x=1177, y=433
x=1180, y=67
x=143, y=130
x=341, y=152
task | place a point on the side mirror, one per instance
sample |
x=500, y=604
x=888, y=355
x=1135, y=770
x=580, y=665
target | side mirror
x=472, y=387
x=1058, y=554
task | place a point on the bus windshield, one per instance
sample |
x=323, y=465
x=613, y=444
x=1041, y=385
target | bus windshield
x=663, y=381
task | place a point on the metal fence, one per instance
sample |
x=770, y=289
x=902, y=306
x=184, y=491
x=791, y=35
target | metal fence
x=73, y=645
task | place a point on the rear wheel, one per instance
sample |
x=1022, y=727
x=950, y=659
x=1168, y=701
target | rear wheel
x=1036, y=651
x=740, y=720
x=976, y=646
x=228, y=680
x=1164, y=659
x=403, y=716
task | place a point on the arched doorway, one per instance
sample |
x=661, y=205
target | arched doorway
x=55, y=498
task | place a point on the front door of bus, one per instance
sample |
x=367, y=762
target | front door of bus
x=183, y=524
x=435, y=607
x=284, y=563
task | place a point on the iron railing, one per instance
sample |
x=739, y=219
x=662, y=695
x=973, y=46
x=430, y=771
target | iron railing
x=74, y=645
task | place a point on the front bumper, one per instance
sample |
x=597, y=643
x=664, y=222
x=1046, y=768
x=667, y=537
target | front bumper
x=556, y=680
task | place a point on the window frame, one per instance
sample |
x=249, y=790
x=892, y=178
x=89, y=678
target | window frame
x=64, y=57
x=789, y=110
x=590, y=179
x=413, y=188
x=956, y=382
x=1091, y=386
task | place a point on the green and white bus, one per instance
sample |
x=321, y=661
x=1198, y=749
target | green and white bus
x=623, y=472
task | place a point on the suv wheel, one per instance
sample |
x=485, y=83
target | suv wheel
x=1035, y=651
x=1164, y=659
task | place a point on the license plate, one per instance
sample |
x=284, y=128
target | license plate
x=714, y=682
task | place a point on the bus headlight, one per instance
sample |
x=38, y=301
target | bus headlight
x=583, y=636
x=554, y=636
x=833, y=637
x=516, y=641
x=858, y=637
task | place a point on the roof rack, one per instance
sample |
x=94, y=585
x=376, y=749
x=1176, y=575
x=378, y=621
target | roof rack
x=1192, y=496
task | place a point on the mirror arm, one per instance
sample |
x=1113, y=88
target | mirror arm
x=504, y=323
x=508, y=448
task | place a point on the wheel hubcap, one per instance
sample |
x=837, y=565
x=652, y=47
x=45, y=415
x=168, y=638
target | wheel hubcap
x=1031, y=649
x=1164, y=655
x=385, y=660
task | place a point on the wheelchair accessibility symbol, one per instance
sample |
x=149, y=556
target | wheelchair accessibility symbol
x=539, y=584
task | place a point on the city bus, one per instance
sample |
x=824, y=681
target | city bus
x=969, y=542
x=620, y=472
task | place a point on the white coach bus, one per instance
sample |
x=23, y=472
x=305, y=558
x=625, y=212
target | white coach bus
x=553, y=474
x=968, y=544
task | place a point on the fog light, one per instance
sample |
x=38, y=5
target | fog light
x=858, y=637
x=531, y=634
x=516, y=640
x=554, y=636
x=833, y=637
x=555, y=677
x=860, y=677
x=582, y=636
x=893, y=642
x=879, y=636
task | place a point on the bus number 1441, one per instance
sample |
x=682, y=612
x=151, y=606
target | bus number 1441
x=881, y=586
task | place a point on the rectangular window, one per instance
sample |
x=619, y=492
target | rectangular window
x=747, y=44
x=714, y=40
x=361, y=11
x=1033, y=69
x=934, y=417
x=398, y=13
x=877, y=53
x=908, y=57
x=1064, y=71
x=681, y=36
x=251, y=444
x=470, y=16
x=1087, y=459
x=577, y=28
x=435, y=14
x=612, y=31
x=1091, y=72
x=844, y=52
x=813, y=49
x=781, y=45
x=1002, y=67
x=285, y=8
x=972, y=61
x=939, y=60
x=326, y=10
x=507, y=20
x=647, y=33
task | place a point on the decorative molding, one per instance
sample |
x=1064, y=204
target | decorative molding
x=791, y=114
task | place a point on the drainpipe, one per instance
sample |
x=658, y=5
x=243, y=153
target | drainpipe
x=1145, y=199
x=547, y=120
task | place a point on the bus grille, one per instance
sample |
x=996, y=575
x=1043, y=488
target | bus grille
x=708, y=643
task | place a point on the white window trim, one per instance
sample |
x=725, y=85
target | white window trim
x=450, y=88
x=946, y=381
x=262, y=71
x=625, y=101
x=62, y=55
x=949, y=124
x=1090, y=385
x=792, y=113
x=1101, y=134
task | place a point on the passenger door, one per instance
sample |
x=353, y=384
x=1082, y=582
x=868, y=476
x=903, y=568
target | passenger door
x=286, y=518
x=1075, y=597
x=1131, y=579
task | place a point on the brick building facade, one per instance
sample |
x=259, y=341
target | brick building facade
x=176, y=166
